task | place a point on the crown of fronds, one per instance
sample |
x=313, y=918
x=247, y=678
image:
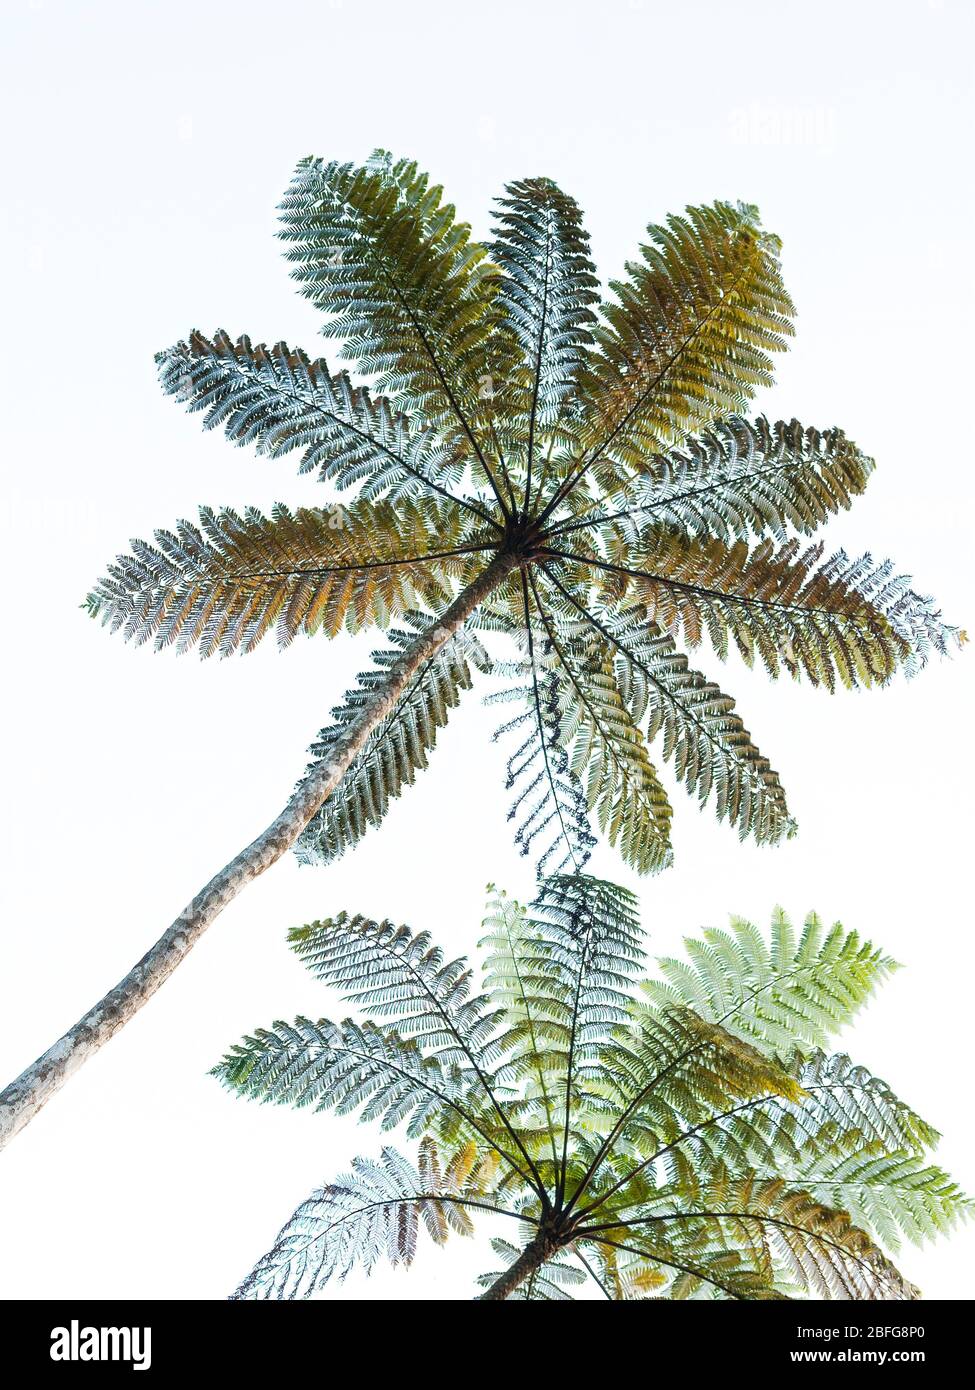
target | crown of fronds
x=601, y=443
x=686, y=1135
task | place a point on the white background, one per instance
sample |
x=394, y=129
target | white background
x=145, y=148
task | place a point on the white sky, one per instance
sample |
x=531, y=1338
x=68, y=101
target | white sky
x=146, y=147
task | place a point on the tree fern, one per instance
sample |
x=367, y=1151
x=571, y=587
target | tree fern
x=679, y=1137
x=598, y=445
x=570, y=476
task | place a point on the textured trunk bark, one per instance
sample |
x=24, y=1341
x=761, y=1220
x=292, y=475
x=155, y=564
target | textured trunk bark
x=535, y=1253
x=22, y=1099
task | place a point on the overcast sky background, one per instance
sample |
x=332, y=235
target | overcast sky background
x=146, y=146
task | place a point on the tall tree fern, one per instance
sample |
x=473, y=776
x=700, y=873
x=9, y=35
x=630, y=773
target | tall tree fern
x=575, y=477
x=686, y=1135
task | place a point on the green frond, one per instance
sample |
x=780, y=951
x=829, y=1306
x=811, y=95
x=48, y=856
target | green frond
x=838, y=1110
x=413, y=298
x=778, y=992
x=711, y=750
x=845, y=1097
x=280, y=401
x=549, y=800
x=736, y=480
x=397, y=749
x=547, y=289
x=763, y=1223
x=672, y=1073
x=400, y=979
x=223, y=586
x=347, y=1067
x=609, y=757
x=607, y=751
x=839, y=619
x=514, y=978
x=375, y=1211
x=562, y=971
x=688, y=335
x=897, y=1195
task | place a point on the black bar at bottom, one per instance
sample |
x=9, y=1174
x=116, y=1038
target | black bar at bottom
x=165, y=1338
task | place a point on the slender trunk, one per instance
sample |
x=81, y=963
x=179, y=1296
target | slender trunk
x=536, y=1252
x=22, y=1099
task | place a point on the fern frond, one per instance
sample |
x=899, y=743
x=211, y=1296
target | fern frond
x=608, y=753
x=385, y=1071
x=764, y=1222
x=397, y=749
x=712, y=752
x=401, y=979
x=736, y=480
x=839, y=619
x=671, y=1073
x=549, y=798
x=844, y=1096
x=376, y=1211
x=546, y=292
x=562, y=971
x=281, y=401
x=688, y=337
x=778, y=992
x=513, y=981
x=898, y=1195
x=414, y=299
x=347, y=1067
x=224, y=585
x=839, y=1109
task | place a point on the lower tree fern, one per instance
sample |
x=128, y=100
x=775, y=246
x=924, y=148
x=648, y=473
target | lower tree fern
x=684, y=1135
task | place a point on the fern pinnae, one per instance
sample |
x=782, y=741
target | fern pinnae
x=417, y=991
x=505, y=980
x=398, y=245
x=621, y=785
x=737, y=479
x=397, y=749
x=694, y=716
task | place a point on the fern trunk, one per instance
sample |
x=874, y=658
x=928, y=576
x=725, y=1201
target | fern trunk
x=23, y=1098
x=534, y=1255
